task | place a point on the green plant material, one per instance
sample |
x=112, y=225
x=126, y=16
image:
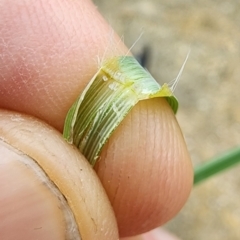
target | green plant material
x=117, y=86
x=215, y=165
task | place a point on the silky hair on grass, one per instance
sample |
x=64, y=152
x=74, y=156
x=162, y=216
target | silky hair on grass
x=119, y=84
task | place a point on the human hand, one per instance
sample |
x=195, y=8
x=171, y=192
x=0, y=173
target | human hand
x=48, y=52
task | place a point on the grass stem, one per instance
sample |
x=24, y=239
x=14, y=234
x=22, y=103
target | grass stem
x=216, y=165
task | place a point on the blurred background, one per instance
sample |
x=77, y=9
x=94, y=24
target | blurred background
x=208, y=94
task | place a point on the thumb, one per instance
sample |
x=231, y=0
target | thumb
x=48, y=190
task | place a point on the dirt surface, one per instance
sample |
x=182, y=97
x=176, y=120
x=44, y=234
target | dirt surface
x=208, y=94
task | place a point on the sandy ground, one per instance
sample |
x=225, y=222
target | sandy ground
x=208, y=94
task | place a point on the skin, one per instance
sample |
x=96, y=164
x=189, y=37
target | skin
x=48, y=53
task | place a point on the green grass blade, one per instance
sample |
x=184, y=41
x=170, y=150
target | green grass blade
x=216, y=165
x=119, y=85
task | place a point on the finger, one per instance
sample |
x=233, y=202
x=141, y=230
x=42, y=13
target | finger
x=146, y=169
x=49, y=56
x=48, y=191
x=49, y=52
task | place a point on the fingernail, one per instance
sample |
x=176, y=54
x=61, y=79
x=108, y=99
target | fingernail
x=31, y=206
